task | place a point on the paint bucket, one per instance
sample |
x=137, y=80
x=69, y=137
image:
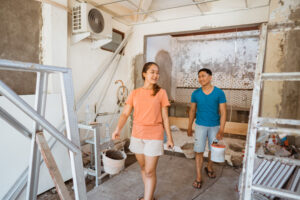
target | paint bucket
x=113, y=161
x=188, y=150
x=217, y=152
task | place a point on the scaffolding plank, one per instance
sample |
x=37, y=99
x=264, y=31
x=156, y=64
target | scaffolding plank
x=52, y=167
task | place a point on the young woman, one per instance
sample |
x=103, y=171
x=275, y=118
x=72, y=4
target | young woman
x=150, y=104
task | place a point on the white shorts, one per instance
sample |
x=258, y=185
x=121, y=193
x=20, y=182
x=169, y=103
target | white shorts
x=146, y=147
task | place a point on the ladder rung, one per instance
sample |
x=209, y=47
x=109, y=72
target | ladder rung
x=278, y=129
x=90, y=141
x=278, y=121
x=281, y=76
x=90, y=127
x=90, y=172
x=276, y=192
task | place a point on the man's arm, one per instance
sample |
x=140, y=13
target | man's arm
x=222, y=107
x=192, y=115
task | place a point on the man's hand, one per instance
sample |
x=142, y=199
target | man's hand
x=190, y=132
x=219, y=135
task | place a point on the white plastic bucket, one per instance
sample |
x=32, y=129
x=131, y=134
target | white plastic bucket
x=188, y=150
x=218, y=153
x=113, y=161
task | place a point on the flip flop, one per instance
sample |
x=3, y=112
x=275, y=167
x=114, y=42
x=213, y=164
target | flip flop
x=140, y=198
x=210, y=174
x=197, y=184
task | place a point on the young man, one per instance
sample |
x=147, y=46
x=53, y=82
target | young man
x=208, y=104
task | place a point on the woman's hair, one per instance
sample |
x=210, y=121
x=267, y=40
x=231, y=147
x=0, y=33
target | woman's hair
x=147, y=65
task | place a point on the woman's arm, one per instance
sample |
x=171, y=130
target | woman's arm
x=123, y=118
x=165, y=118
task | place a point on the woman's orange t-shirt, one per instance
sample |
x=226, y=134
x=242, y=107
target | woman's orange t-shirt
x=147, y=116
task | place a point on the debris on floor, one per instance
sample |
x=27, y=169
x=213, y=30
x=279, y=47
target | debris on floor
x=280, y=145
x=233, y=152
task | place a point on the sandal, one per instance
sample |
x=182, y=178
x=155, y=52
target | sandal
x=210, y=174
x=140, y=198
x=197, y=184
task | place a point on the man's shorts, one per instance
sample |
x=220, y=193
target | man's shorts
x=146, y=147
x=203, y=132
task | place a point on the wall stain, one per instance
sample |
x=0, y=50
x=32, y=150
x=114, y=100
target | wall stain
x=164, y=61
x=138, y=63
x=290, y=62
x=295, y=14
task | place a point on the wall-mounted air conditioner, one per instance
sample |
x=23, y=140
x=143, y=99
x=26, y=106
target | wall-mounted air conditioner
x=86, y=18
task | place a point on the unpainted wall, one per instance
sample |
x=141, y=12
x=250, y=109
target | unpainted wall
x=282, y=99
x=164, y=61
x=231, y=57
x=21, y=23
x=138, y=63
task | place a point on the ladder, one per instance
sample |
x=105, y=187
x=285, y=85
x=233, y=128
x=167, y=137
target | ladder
x=266, y=126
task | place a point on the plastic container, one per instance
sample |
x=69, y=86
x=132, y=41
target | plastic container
x=218, y=152
x=113, y=161
x=188, y=150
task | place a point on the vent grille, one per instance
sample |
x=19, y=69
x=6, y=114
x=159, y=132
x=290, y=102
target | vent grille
x=77, y=18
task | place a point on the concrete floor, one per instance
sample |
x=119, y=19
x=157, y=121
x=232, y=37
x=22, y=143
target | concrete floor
x=175, y=177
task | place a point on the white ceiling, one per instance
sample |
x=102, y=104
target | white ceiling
x=132, y=12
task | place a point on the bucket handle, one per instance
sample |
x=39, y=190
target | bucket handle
x=216, y=141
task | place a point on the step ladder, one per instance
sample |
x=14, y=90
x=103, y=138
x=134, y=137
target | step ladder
x=266, y=126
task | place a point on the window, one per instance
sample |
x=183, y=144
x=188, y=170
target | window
x=117, y=38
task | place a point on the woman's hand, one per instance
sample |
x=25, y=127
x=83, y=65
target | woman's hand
x=115, y=135
x=170, y=144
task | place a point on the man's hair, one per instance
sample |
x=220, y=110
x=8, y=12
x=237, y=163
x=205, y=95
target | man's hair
x=208, y=71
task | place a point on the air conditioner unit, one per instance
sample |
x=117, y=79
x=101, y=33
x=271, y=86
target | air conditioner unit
x=86, y=18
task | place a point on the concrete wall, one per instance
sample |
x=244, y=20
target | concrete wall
x=209, y=22
x=20, y=33
x=158, y=49
x=283, y=55
x=86, y=63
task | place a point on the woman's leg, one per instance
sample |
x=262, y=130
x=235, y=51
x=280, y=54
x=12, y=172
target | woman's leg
x=141, y=160
x=150, y=176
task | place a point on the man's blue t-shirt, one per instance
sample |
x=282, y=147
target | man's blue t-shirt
x=208, y=106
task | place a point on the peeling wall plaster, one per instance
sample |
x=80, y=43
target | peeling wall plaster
x=232, y=59
x=281, y=99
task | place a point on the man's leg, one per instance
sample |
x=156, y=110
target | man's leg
x=212, y=132
x=209, y=163
x=199, y=148
x=199, y=162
